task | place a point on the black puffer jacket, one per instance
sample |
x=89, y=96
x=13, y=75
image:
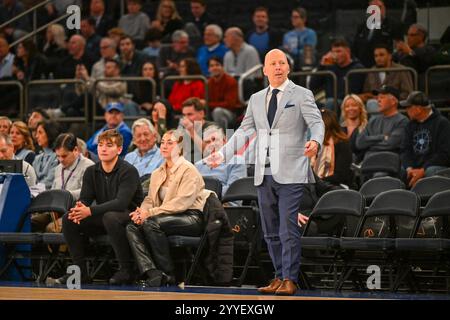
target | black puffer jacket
x=218, y=259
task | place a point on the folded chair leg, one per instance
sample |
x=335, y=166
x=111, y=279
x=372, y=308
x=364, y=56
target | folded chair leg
x=196, y=260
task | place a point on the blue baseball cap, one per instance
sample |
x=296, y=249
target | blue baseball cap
x=114, y=106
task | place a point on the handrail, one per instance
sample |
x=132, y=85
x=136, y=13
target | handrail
x=243, y=76
x=34, y=8
x=194, y=77
x=96, y=117
x=61, y=82
x=321, y=73
x=32, y=33
x=21, y=94
x=377, y=70
x=427, y=74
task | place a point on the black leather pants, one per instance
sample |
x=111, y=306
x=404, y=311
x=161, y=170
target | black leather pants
x=149, y=243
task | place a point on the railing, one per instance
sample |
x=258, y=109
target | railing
x=33, y=9
x=60, y=82
x=322, y=73
x=247, y=74
x=96, y=117
x=427, y=82
x=175, y=78
x=377, y=70
x=21, y=95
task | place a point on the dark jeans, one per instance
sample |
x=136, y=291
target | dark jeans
x=112, y=223
x=149, y=242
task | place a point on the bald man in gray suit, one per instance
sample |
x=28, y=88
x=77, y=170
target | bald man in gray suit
x=281, y=115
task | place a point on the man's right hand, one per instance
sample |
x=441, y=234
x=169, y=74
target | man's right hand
x=214, y=160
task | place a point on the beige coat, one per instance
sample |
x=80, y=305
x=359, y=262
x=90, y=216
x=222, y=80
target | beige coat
x=186, y=189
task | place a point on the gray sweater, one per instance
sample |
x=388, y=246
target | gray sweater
x=383, y=133
x=135, y=25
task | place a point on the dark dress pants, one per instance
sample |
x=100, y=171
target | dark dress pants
x=149, y=243
x=279, y=207
x=112, y=223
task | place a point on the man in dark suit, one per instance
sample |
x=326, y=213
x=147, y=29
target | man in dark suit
x=281, y=115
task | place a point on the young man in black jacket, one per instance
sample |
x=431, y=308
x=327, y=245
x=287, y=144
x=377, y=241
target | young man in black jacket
x=114, y=186
x=426, y=144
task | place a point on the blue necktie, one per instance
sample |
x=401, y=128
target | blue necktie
x=272, y=107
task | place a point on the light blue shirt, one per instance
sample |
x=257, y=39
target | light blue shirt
x=145, y=164
x=295, y=40
x=44, y=165
x=225, y=173
x=6, y=66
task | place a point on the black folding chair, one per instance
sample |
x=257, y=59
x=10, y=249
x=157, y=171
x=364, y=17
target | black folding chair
x=245, y=224
x=373, y=187
x=382, y=163
x=426, y=187
x=59, y=201
x=336, y=214
x=393, y=214
x=426, y=253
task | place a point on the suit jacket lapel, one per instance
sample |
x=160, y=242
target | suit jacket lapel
x=286, y=97
x=261, y=103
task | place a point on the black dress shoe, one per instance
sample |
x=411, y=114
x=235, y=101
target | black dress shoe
x=157, y=278
x=121, y=277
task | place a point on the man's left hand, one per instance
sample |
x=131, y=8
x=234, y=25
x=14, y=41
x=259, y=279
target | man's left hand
x=416, y=175
x=311, y=148
x=79, y=212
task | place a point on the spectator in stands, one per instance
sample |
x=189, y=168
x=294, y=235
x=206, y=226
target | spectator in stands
x=193, y=126
x=68, y=176
x=146, y=157
x=300, y=43
x=402, y=81
x=6, y=60
x=365, y=38
x=167, y=19
x=132, y=59
x=214, y=139
x=105, y=91
x=170, y=56
x=185, y=89
x=103, y=22
x=143, y=95
x=77, y=56
x=45, y=162
x=384, y=132
x=354, y=121
x=213, y=47
x=426, y=143
x=135, y=23
x=7, y=153
x=55, y=47
x=87, y=28
x=114, y=186
x=37, y=115
x=415, y=53
x=199, y=16
x=10, y=9
x=60, y=6
x=262, y=36
x=339, y=61
x=161, y=115
x=223, y=94
x=153, y=39
x=176, y=198
x=114, y=120
x=116, y=34
x=108, y=50
x=29, y=64
x=22, y=141
x=332, y=163
x=5, y=125
x=241, y=57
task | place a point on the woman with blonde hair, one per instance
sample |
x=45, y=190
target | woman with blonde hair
x=174, y=205
x=55, y=45
x=167, y=19
x=353, y=120
x=22, y=142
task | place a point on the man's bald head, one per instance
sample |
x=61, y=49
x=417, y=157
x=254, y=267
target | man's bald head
x=76, y=45
x=276, y=67
x=234, y=37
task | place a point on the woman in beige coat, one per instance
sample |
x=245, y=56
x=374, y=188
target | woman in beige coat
x=173, y=206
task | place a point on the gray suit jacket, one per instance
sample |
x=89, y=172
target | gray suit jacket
x=296, y=113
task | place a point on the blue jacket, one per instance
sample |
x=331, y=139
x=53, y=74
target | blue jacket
x=123, y=129
x=203, y=55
